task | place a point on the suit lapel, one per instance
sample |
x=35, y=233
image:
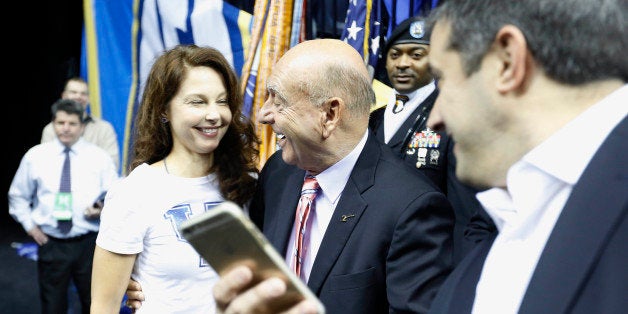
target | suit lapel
x=279, y=229
x=596, y=205
x=457, y=293
x=397, y=140
x=351, y=203
x=376, y=123
x=466, y=281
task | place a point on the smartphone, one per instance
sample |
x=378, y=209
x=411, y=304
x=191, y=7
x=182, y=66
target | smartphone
x=99, y=202
x=225, y=237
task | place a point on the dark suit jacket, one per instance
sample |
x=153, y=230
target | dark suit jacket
x=584, y=265
x=391, y=257
x=443, y=174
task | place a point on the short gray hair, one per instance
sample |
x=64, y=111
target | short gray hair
x=574, y=41
x=336, y=79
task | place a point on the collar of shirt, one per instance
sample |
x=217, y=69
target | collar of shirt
x=539, y=185
x=75, y=148
x=393, y=121
x=567, y=153
x=415, y=98
x=333, y=179
x=563, y=157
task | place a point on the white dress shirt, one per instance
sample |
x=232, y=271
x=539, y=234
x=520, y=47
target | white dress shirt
x=97, y=131
x=538, y=188
x=331, y=181
x=36, y=184
x=393, y=121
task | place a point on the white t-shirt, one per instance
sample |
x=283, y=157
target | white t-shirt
x=141, y=215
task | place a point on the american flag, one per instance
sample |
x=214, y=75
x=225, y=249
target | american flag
x=362, y=30
x=368, y=22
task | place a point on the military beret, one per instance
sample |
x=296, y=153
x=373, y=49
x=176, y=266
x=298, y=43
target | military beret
x=411, y=30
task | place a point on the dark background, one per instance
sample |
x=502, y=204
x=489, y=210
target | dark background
x=41, y=49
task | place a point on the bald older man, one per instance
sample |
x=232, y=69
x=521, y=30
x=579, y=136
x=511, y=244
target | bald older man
x=379, y=233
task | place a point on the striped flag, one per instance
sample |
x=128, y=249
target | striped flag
x=277, y=25
x=363, y=30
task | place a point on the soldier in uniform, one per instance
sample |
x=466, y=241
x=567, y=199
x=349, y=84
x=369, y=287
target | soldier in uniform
x=402, y=125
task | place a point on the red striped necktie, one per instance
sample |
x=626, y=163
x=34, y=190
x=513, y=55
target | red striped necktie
x=308, y=194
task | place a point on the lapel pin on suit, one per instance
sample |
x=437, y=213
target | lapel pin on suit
x=344, y=218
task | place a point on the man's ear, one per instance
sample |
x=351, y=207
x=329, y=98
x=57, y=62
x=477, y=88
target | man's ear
x=516, y=61
x=332, y=109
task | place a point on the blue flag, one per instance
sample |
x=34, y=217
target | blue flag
x=399, y=10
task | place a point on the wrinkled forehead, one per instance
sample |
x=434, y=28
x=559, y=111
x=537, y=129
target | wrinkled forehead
x=275, y=87
x=283, y=78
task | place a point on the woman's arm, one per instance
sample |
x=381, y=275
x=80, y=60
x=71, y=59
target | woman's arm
x=110, y=276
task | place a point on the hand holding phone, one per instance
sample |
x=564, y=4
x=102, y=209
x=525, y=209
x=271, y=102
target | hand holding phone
x=226, y=238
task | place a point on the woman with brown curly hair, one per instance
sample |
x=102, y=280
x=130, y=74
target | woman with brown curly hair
x=193, y=149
